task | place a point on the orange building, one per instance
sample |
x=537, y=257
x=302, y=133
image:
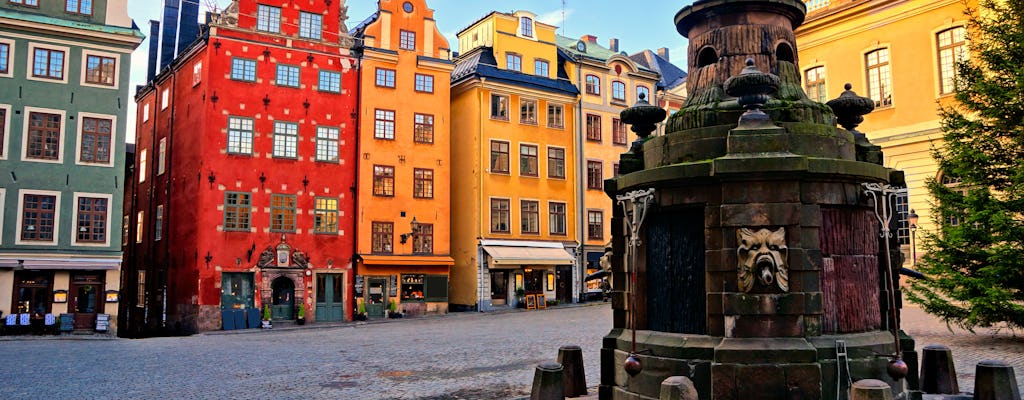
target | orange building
x=402, y=211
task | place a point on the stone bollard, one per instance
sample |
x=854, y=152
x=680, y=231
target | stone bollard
x=938, y=375
x=574, y=379
x=678, y=388
x=994, y=380
x=870, y=389
x=547, y=382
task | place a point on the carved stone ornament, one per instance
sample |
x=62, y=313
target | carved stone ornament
x=762, y=259
x=299, y=259
x=266, y=258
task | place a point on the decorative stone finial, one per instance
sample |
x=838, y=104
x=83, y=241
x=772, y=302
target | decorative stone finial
x=643, y=116
x=850, y=110
x=753, y=89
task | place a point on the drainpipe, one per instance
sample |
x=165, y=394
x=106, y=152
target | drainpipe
x=479, y=199
x=167, y=197
x=355, y=198
x=581, y=206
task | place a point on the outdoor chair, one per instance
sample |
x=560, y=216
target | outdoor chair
x=50, y=324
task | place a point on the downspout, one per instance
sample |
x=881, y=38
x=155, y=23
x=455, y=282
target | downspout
x=479, y=199
x=578, y=272
x=167, y=196
x=355, y=183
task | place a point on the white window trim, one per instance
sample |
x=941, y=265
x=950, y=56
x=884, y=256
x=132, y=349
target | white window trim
x=10, y=58
x=161, y=154
x=547, y=157
x=7, y=135
x=165, y=98
x=197, y=73
x=145, y=112
x=864, y=71
x=117, y=69
x=78, y=139
x=21, y=215
x=533, y=25
x=24, y=134
x=31, y=62
x=816, y=64
x=139, y=226
x=519, y=159
x=74, y=224
x=143, y=160
x=936, y=73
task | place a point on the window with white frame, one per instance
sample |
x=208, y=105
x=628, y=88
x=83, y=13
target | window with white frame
x=425, y=83
x=642, y=92
x=330, y=81
x=529, y=216
x=593, y=85
x=499, y=106
x=879, y=77
x=556, y=162
x=286, y=139
x=142, y=166
x=814, y=83
x=406, y=40
x=618, y=91
x=513, y=62
x=556, y=218
x=325, y=215
x=145, y=112
x=595, y=224
x=384, y=124
x=423, y=128
x=268, y=19
x=327, y=143
x=243, y=69
x=385, y=77
x=197, y=72
x=240, y=134
x=161, y=157
x=31, y=3
x=287, y=75
x=527, y=111
x=528, y=160
x=501, y=216
x=540, y=68
x=556, y=119
x=952, y=47
x=139, y=224
x=526, y=26
x=310, y=25
x=165, y=99
x=95, y=140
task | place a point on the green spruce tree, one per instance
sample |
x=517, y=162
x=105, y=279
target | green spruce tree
x=975, y=258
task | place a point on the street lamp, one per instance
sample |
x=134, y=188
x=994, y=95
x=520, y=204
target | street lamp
x=912, y=220
x=415, y=227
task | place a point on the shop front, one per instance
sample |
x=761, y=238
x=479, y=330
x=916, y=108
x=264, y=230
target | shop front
x=49, y=296
x=401, y=286
x=513, y=272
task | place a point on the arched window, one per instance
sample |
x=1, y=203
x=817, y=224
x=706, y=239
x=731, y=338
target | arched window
x=618, y=91
x=643, y=90
x=526, y=26
x=952, y=49
x=593, y=84
x=879, y=77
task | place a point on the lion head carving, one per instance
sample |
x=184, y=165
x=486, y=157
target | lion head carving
x=762, y=256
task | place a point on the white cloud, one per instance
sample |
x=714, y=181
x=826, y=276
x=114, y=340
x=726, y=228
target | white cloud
x=555, y=17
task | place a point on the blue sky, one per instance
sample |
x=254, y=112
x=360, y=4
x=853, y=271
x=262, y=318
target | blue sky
x=638, y=25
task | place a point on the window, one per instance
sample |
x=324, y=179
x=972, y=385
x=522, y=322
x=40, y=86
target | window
x=330, y=81
x=125, y=221
x=528, y=160
x=499, y=106
x=540, y=68
x=814, y=84
x=499, y=157
x=615, y=169
x=32, y=292
x=282, y=213
x=513, y=62
x=161, y=160
x=243, y=70
x=595, y=225
x=556, y=218
x=384, y=125
x=327, y=143
x=500, y=215
x=527, y=111
x=953, y=183
x=100, y=70
x=197, y=72
x=952, y=50
x=383, y=180
x=879, y=80
x=38, y=217
x=385, y=77
x=268, y=19
x=286, y=139
x=902, y=224
x=383, y=237
x=158, y=228
x=95, y=140
x=239, y=135
x=310, y=25
x=325, y=215
x=423, y=183
x=425, y=83
x=556, y=162
x=618, y=91
x=526, y=26
x=5, y=58
x=618, y=132
x=423, y=128
x=595, y=175
x=593, y=85
x=33, y=3
x=145, y=112
x=3, y=133
x=287, y=75
x=44, y=133
x=48, y=63
x=529, y=215
x=406, y=40
x=165, y=99
x=139, y=224
x=815, y=4
x=237, y=211
x=594, y=127
x=140, y=299
x=642, y=92
x=423, y=239
x=555, y=117
x=142, y=166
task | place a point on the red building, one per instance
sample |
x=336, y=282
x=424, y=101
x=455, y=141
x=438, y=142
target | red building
x=242, y=194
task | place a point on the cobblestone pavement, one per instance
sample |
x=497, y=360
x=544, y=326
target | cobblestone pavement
x=459, y=356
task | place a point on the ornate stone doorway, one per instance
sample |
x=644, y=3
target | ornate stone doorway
x=282, y=298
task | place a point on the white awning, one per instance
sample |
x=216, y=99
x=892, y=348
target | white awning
x=521, y=255
x=90, y=264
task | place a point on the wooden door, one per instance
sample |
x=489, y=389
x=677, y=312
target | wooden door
x=330, y=297
x=86, y=299
x=375, y=298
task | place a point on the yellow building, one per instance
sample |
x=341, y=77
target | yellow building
x=609, y=82
x=900, y=54
x=402, y=212
x=513, y=155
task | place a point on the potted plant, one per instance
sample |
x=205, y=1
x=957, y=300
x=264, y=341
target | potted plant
x=520, y=296
x=360, y=310
x=301, y=318
x=393, y=310
x=266, y=317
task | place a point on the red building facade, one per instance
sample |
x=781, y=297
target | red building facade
x=242, y=194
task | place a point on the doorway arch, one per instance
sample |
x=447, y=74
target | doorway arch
x=282, y=298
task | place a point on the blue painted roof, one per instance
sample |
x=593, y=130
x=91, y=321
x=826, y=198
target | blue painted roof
x=481, y=64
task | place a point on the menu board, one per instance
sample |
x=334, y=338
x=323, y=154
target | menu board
x=359, y=285
x=393, y=285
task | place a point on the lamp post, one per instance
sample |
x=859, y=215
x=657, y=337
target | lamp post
x=912, y=220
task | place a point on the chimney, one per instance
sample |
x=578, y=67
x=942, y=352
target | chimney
x=663, y=53
x=613, y=45
x=154, y=50
x=589, y=38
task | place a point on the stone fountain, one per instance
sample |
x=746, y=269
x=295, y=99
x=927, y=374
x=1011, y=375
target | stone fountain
x=750, y=259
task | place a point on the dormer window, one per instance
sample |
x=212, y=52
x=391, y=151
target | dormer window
x=526, y=26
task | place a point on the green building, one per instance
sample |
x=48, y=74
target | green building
x=64, y=76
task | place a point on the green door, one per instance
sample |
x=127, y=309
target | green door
x=375, y=297
x=283, y=300
x=329, y=297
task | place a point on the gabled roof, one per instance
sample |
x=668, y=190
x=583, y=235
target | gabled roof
x=671, y=75
x=592, y=51
x=480, y=63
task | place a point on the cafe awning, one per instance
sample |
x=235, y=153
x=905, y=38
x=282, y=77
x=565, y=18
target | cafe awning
x=82, y=264
x=405, y=260
x=524, y=255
